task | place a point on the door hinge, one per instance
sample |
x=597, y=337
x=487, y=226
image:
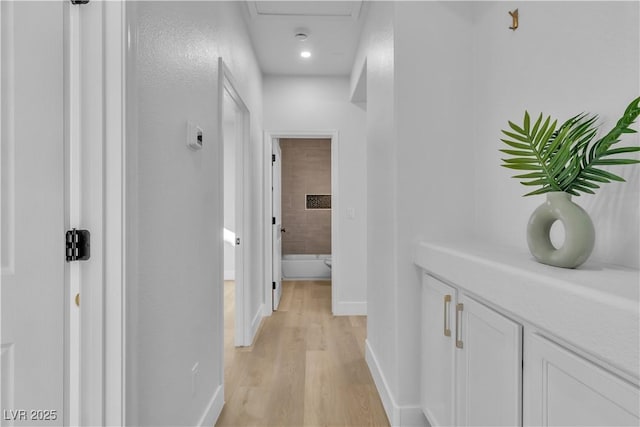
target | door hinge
x=237, y=241
x=78, y=245
x=273, y=285
x=273, y=220
x=79, y=1
x=273, y=158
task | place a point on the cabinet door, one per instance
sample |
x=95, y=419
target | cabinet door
x=488, y=366
x=437, y=380
x=562, y=389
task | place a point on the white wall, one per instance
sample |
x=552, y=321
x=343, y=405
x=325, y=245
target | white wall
x=417, y=88
x=174, y=216
x=549, y=66
x=434, y=120
x=376, y=48
x=322, y=104
x=442, y=80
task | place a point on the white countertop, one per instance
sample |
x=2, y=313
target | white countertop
x=595, y=308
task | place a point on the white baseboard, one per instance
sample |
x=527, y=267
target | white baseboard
x=229, y=275
x=401, y=416
x=343, y=308
x=255, y=324
x=413, y=416
x=266, y=309
x=381, y=384
x=214, y=408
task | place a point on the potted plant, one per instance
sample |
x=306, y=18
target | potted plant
x=564, y=161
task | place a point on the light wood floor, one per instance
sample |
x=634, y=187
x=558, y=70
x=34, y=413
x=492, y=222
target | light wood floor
x=306, y=367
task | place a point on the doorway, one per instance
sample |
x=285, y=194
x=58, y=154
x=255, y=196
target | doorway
x=306, y=208
x=274, y=217
x=234, y=130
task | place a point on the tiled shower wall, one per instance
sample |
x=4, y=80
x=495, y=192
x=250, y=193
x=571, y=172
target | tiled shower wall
x=306, y=169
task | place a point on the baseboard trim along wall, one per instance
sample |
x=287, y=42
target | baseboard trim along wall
x=343, y=308
x=412, y=416
x=214, y=408
x=255, y=323
x=401, y=416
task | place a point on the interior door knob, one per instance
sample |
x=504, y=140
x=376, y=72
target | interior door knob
x=283, y=230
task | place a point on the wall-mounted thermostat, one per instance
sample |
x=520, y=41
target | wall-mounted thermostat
x=194, y=136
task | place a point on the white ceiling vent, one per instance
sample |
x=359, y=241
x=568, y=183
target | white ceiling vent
x=301, y=34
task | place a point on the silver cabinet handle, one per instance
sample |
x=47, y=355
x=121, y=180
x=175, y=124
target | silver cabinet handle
x=447, y=304
x=459, y=308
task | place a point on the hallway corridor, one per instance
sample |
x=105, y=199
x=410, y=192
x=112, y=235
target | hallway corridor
x=306, y=367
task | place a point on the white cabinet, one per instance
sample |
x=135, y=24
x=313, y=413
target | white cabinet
x=488, y=367
x=564, y=389
x=438, y=354
x=471, y=360
x=581, y=340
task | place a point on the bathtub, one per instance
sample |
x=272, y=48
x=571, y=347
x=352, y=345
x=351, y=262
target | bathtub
x=306, y=267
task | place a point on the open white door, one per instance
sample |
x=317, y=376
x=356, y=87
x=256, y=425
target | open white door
x=235, y=137
x=276, y=207
x=242, y=334
x=32, y=290
x=234, y=206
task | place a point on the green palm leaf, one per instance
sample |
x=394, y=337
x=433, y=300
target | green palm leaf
x=528, y=155
x=564, y=158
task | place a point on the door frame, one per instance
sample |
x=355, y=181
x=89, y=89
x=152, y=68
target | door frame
x=104, y=33
x=269, y=137
x=242, y=322
x=117, y=33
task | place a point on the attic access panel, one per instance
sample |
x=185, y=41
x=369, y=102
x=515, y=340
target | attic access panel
x=322, y=9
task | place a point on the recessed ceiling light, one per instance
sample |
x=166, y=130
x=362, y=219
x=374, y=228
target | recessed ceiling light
x=305, y=54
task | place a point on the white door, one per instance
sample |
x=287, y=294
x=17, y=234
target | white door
x=488, y=366
x=276, y=208
x=437, y=383
x=233, y=136
x=563, y=389
x=32, y=213
x=241, y=298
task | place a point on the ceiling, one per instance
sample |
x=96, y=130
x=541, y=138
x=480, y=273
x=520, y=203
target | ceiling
x=333, y=28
